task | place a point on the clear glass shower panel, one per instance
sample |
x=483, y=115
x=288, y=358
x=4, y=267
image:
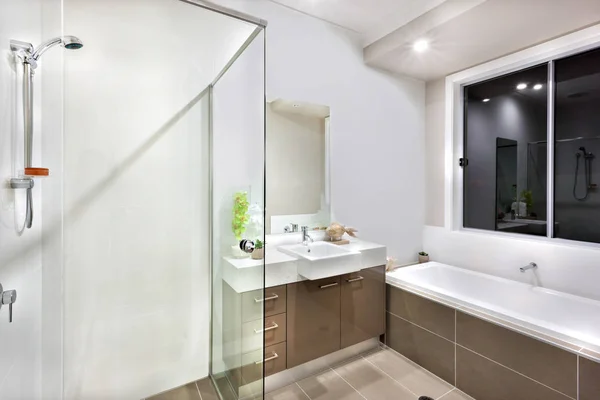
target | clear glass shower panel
x=136, y=193
x=238, y=201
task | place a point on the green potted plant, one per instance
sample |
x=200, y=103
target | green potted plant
x=423, y=257
x=239, y=220
x=259, y=251
x=527, y=198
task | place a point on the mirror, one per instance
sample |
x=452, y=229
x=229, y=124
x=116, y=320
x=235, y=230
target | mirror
x=297, y=157
x=506, y=176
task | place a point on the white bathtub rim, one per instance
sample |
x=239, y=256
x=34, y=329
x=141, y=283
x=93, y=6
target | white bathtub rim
x=566, y=342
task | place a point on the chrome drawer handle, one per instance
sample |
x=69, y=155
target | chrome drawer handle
x=273, y=297
x=358, y=278
x=274, y=326
x=273, y=357
x=329, y=285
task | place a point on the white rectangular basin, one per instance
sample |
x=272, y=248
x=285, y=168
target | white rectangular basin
x=321, y=260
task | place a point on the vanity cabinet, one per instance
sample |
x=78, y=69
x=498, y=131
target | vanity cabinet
x=330, y=314
x=313, y=319
x=362, y=305
x=302, y=322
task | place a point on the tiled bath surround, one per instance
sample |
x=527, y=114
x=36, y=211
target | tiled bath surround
x=483, y=358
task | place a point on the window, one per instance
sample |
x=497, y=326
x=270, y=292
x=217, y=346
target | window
x=505, y=145
x=506, y=149
x=576, y=144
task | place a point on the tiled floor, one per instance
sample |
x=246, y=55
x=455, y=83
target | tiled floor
x=378, y=375
x=200, y=390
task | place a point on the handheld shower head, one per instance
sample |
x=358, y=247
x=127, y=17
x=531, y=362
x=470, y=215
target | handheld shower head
x=71, y=42
x=68, y=42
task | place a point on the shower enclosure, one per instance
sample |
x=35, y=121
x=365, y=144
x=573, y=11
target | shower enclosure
x=150, y=132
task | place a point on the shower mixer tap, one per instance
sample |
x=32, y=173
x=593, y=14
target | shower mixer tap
x=8, y=297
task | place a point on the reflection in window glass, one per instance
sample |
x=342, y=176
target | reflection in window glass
x=505, y=144
x=577, y=142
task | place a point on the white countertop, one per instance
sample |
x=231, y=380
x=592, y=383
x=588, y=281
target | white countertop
x=246, y=274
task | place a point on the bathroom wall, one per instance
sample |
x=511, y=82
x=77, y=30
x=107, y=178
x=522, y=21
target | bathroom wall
x=136, y=287
x=20, y=256
x=377, y=123
x=434, y=152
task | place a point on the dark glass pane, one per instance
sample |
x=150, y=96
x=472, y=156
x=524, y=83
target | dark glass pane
x=505, y=144
x=577, y=142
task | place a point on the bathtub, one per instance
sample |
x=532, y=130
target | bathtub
x=561, y=316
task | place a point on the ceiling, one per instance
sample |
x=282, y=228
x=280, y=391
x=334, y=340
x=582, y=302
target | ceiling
x=461, y=33
x=371, y=18
x=489, y=30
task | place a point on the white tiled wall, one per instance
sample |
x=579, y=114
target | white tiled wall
x=20, y=256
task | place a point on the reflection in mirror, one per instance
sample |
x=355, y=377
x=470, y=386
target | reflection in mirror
x=297, y=163
x=506, y=178
x=505, y=134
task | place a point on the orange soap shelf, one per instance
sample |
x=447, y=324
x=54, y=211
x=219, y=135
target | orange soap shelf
x=37, y=172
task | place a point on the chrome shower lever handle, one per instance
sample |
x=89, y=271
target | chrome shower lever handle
x=8, y=297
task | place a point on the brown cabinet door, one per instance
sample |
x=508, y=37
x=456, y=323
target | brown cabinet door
x=313, y=319
x=363, y=305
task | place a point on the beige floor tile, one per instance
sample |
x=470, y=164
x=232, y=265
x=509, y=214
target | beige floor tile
x=207, y=389
x=409, y=375
x=328, y=386
x=456, y=395
x=290, y=392
x=187, y=392
x=225, y=389
x=372, y=383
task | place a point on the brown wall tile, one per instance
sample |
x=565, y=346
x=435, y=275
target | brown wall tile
x=540, y=361
x=589, y=379
x=426, y=349
x=485, y=380
x=421, y=311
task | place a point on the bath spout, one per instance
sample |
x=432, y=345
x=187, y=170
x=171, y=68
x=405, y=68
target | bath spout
x=531, y=265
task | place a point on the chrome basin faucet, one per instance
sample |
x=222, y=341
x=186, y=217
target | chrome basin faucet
x=531, y=265
x=305, y=236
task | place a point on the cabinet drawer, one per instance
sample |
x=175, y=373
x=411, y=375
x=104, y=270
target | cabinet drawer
x=273, y=300
x=275, y=360
x=274, y=332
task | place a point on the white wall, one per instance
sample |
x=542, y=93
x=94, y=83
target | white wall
x=20, y=257
x=434, y=153
x=136, y=314
x=377, y=123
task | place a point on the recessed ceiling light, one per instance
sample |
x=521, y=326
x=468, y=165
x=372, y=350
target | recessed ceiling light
x=538, y=86
x=522, y=86
x=421, y=45
x=486, y=100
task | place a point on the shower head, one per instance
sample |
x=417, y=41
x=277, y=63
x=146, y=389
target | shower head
x=71, y=43
x=68, y=42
